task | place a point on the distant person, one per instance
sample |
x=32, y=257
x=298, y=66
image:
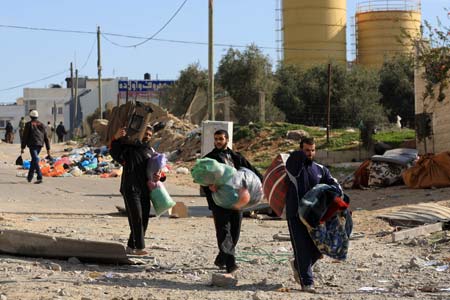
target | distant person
x=50, y=131
x=61, y=132
x=34, y=137
x=22, y=127
x=9, y=133
x=227, y=221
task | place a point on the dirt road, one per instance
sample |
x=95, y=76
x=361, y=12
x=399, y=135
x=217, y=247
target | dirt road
x=182, y=250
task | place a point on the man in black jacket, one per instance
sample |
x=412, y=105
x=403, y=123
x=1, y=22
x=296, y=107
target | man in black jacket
x=227, y=221
x=61, y=132
x=35, y=136
x=304, y=174
x=133, y=186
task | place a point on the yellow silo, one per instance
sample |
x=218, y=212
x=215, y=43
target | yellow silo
x=383, y=27
x=314, y=31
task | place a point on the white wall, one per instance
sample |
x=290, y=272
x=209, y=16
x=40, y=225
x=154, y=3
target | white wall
x=11, y=113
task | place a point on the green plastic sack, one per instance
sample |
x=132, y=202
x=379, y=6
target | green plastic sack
x=208, y=171
x=161, y=199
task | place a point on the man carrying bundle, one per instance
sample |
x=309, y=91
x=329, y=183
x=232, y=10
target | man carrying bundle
x=227, y=221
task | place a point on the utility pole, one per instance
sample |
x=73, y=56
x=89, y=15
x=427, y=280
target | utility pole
x=211, y=61
x=329, y=104
x=262, y=107
x=76, y=101
x=99, y=67
x=72, y=113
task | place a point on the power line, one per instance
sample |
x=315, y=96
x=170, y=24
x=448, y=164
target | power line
x=154, y=35
x=231, y=45
x=34, y=81
x=89, y=55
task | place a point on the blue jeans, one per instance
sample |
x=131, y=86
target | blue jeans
x=34, y=165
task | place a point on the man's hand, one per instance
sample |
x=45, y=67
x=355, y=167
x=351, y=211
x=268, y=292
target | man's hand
x=120, y=133
x=212, y=188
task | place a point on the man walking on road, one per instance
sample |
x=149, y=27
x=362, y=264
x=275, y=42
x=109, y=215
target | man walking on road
x=304, y=174
x=227, y=221
x=35, y=136
x=133, y=186
x=61, y=132
x=50, y=131
x=22, y=127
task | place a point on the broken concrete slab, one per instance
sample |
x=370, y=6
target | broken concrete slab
x=417, y=231
x=21, y=243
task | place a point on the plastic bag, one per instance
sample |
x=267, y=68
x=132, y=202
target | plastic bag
x=156, y=163
x=208, y=171
x=161, y=199
x=19, y=161
x=243, y=190
x=26, y=164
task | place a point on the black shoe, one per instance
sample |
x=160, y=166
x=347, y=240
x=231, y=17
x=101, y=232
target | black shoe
x=29, y=180
x=38, y=181
x=232, y=269
x=219, y=262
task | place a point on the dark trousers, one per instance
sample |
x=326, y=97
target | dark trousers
x=305, y=251
x=34, y=164
x=228, y=228
x=60, y=138
x=138, y=210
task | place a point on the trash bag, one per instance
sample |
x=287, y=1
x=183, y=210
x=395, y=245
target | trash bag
x=208, y=171
x=19, y=161
x=243, y=190
x=161, y=199
x=26, y=164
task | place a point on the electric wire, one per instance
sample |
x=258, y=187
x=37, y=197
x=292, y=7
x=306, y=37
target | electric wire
x=34, y=81
x=152, y=36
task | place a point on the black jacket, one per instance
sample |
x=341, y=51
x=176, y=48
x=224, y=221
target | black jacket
x=303, y=175
x=228, y=157
x=61, y=130
x=35, y=134
x=134, y=159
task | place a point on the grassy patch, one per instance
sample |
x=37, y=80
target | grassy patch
x=340, y=140
x=395, y=137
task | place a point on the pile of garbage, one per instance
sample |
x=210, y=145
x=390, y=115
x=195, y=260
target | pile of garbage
x=79, y=161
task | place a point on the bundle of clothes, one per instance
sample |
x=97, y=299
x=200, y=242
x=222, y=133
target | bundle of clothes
x=236, y=189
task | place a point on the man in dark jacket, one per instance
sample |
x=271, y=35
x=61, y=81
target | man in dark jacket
x=304, y=174
x=35, y=136
x=133, y=186
x=61, y=132
x=9, y=133
x=227, y=221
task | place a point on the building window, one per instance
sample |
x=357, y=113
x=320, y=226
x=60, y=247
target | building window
x=31, y=104
x=60, y=110
x=2, y=123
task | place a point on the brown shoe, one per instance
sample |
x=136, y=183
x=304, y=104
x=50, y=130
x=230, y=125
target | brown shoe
x=140, y=252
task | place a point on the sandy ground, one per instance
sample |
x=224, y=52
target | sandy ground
x=182, y=251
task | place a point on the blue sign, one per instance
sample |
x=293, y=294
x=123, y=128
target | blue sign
x=143, y=85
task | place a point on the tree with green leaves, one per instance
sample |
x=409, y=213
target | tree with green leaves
x=244, y=74
x=178, y=97
x=433, y=54
x=397, y=89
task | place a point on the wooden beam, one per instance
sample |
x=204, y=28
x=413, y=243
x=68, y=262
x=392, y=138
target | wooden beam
x=417, y=231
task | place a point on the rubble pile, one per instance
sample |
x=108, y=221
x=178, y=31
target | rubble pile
x=179, y=138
